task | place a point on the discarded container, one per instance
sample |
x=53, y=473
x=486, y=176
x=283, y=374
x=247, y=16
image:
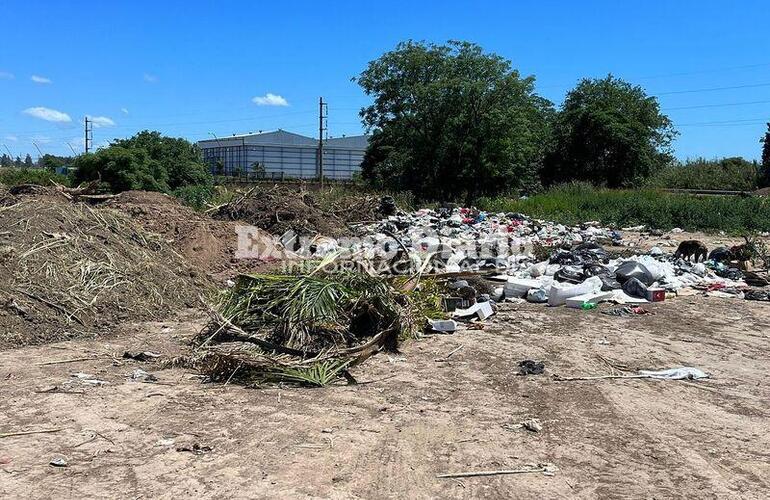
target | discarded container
x=537, y=295
x=443, y=325
x=481, y=309
x=452, y=303
x=587, y=305
x=588, y=298
x=559, y=293
x=656, y=294
x=516, y=287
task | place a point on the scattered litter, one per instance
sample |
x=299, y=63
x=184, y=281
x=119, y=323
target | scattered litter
x=89, y=379
x=626, y=311
x=532, y=425
x=165, y=442
x=143, y=376
x=681, y=373
x=592, y=299
x=26, y=433
x=482, y=310
x=547, y=469
x=141, y=356
x=195, y=449
x=59, y=462
x=531, y=367
x=442, y=325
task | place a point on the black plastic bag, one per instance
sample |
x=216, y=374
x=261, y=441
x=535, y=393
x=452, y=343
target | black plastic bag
x=591, y=252
x=632, y=269
x=569, y=274
x=635, y=288
x=721, y=254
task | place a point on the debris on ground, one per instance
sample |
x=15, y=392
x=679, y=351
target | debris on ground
x=680, y=373
x=548, y=469
x=141, y=356
x=143, y=376
x=59, y=462
x=306, y=328
x=531, y=367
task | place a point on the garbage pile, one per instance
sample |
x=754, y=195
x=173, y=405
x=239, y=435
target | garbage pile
x=540, y=261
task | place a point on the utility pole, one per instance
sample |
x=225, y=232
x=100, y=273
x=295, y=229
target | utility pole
x=89, y=133
x=323, y=113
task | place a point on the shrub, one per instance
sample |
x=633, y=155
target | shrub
x=16, y=176
x=576, y=203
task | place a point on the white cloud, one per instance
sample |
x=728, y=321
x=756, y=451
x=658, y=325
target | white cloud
x=101, y=121
x=40, y=79
x=48, y=114
x=150, y=78
x=4, y=75
x=12, y=138
x=124, y=110
x=270, y=100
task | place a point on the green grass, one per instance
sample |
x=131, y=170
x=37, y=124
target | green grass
x=576, y=203
x=42, y=177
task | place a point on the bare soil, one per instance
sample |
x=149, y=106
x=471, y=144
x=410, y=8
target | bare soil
x=411, y=417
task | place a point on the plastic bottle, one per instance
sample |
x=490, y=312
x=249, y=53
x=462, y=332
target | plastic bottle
x=587, y=305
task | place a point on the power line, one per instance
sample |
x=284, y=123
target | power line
x=722, y=105
x=713, y=89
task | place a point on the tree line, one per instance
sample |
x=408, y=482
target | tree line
x=453, y=121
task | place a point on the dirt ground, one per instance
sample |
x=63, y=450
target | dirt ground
x=411, y=417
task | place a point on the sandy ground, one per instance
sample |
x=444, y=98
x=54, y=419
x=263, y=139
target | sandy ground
x=414, y=418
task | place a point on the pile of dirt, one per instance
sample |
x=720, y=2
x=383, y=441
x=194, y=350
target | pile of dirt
x=71, y=270
x=208, y=244
x=279, y=209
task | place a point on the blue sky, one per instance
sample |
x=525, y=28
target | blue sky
x=194, y=68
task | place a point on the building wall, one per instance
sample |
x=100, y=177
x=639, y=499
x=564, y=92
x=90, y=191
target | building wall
x=296, y=157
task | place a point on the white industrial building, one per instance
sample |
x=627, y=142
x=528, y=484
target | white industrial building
x=283, y=155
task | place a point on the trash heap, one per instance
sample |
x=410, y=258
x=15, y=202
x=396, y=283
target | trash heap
x=540, y=261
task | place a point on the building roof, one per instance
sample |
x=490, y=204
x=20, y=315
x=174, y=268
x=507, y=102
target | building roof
x=284, y=138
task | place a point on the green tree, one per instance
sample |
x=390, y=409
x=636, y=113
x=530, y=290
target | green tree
x=6, y=161
x=121, y=169
x=451, y=121
x=609, y=132
x=52, y=162
x=765, y=177
x=178, y=157
x=727, y=173
x=28, y=163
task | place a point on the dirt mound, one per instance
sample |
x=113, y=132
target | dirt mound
x=765, y=191
x=210, y=245
x=71, y=270
x=279, y=209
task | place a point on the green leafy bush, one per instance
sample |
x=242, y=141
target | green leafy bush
x=736, y=174
x=16, y=176
x=575, y=203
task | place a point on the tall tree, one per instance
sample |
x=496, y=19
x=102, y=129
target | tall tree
x=28, y=163
x=451, y=121
x=5, y=161
x=609, y=132
x=765, y=177
x=178, y=157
